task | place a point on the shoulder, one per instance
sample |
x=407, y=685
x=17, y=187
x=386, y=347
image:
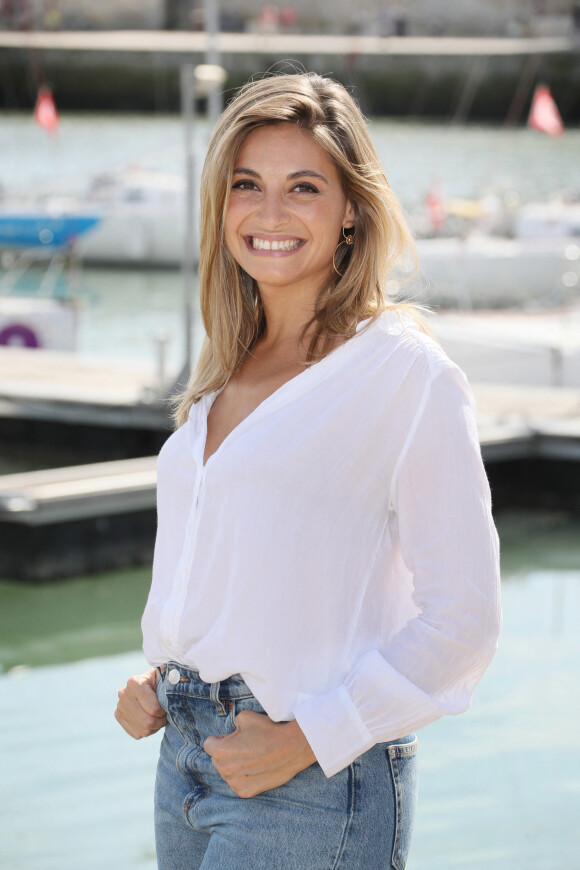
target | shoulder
x=395, y=337
x=403, y=358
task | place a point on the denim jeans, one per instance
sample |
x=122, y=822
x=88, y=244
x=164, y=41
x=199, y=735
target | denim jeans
x=359, y=819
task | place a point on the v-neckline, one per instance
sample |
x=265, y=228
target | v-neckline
x=251, y=414
x=267, y=400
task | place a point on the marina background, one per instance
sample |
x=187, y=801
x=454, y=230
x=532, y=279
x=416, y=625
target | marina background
x=500, y=786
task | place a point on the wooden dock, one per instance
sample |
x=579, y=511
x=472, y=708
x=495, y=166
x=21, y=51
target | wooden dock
x=77, y=520
x=66, y=386
x=518, y=421
x=80, y=408
x=78, y=492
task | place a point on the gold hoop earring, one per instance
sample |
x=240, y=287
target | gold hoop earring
x=346, y=240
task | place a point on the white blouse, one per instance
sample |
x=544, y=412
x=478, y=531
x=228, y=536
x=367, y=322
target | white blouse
x=338, y=549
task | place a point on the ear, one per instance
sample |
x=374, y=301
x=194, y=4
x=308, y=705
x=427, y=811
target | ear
x=348, y=217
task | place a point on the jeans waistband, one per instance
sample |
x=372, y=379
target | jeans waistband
x=182, y=679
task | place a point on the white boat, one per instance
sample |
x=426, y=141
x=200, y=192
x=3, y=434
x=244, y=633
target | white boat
x=135, y=218
x=44, y=321
x=496, y=252
x=142, y=219
x=37, y=323
x=556, y=218
x=492, y=271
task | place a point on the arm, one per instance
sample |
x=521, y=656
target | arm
x=440, y=513
x=138, y=710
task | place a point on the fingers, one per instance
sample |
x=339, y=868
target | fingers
x=138, y=710
x=139, y=724
x=260, y=754
x=235, y=756
x=238, y=745
x=143, y=688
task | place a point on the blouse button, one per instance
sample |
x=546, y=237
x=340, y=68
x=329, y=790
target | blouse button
x=174, y=676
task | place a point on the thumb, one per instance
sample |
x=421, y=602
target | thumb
x=211, y=743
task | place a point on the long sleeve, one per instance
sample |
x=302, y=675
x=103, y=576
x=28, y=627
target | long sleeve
x=442, y=530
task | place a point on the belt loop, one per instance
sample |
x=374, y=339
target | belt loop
x=214, y=694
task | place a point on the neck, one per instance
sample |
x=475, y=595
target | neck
x=286, y=313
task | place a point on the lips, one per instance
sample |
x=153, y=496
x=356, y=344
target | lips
x=285, y=245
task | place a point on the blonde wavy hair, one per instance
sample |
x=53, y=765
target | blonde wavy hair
x=383, y=251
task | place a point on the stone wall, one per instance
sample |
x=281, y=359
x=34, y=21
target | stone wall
x=420, y=17
x=83, y=14
x=413, y=17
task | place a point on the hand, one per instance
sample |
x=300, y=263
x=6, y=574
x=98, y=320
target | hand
x=138, y=711
x=260, y=754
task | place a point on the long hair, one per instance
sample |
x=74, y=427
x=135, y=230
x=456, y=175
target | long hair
x=231, y=308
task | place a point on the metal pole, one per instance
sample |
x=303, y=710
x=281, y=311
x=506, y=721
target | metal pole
x=214, y=99
x=523, y=89
x=557, y=367
x=476, y=74
x=188, y=265
x=161, y=339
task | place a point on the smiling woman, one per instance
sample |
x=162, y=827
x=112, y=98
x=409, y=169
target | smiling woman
x=325, y=579
x=325, y=115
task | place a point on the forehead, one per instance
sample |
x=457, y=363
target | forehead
x=285, y=146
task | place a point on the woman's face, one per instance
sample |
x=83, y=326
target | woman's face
x=285, y=211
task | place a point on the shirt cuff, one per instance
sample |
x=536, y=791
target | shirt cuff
x=334, y=729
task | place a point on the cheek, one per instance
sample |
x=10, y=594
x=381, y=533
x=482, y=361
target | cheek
x=230, y=230
x=331, y=218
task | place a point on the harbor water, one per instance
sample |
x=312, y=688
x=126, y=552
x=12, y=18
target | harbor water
x=499, y=785
x=467, y=160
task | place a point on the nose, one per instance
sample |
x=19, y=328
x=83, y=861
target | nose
x=273, y=211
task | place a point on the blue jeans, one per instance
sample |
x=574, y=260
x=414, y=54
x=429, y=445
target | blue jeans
x=359, y=819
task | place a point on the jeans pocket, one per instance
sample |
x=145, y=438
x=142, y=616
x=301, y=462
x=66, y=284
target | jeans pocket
x=403, y=763
x=248, y=702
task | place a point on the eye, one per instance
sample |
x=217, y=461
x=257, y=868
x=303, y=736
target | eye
x=245, y=184
x=305, y=187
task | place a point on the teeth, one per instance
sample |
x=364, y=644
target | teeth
x=267, y=245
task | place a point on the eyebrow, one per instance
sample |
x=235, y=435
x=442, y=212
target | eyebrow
x=302, y=173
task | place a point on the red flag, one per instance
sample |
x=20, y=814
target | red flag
x=45, y=110
x=544, y=114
